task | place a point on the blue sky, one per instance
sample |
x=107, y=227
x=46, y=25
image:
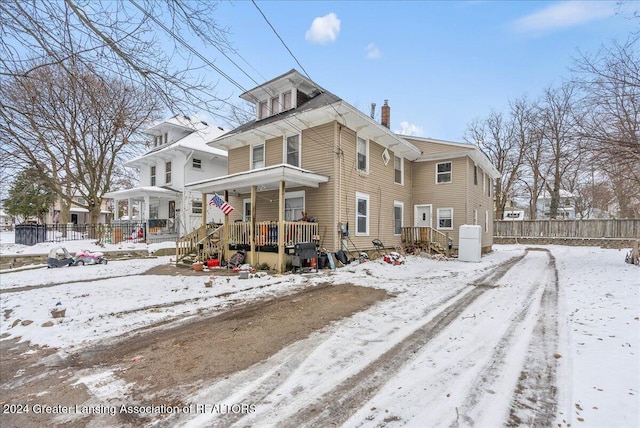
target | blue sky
x=440, y=64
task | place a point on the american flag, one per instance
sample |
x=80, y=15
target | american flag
x=220, y=203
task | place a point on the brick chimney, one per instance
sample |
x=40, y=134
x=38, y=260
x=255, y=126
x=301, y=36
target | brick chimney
x=385, y=114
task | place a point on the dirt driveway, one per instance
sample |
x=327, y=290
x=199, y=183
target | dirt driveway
x=156, y=366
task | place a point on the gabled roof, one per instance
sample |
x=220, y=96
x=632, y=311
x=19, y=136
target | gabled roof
x=202, y=134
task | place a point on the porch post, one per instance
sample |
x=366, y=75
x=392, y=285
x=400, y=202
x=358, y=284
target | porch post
x=225, y=232
x=204, y=210
x=252, y=227
x=129, y=209
x=281, y=266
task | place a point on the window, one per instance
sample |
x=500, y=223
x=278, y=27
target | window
x=257, y=156
x=443, y=172
x=165, y=138
x=154, y=209
x=398, y=166
x=362, y=214
x=489, y=186
x=167, y=172
x=293, y=205
x=445, y=218
x=293, y=150
x=196, y=163
x=286, y=100
x=486, y=221
x=196, y=206
x=475, y=174
x=275, y=105
x=263, y=110
x=363, y=154
x=153, y=175
x=475, y=216
x=246, y=209
x=398, y=213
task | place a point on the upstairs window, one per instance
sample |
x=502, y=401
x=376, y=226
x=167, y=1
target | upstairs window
x=286, y=101
x=398, y=166
x=275, y=105
x=363, y=154
x=167, y=173
x=257, y=156
x=475, y=174
x=196, y=206
x=196, y=163
x=293, y=150
x=489, y=186
x=443, y=172
x=153, y=175
x=263, y=110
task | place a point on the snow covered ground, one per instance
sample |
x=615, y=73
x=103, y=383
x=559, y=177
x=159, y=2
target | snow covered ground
x=416, y=364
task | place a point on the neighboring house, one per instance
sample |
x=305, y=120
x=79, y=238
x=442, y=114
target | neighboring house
x=309, y=154
x=6, y=221
x=179, y=154
x=78, y=215
x=566, y=206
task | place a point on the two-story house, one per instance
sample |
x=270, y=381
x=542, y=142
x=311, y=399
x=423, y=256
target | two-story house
x=566, y=206
x=178, y=154
x=309, y=155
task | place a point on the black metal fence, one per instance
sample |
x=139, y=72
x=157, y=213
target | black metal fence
x=31, y=234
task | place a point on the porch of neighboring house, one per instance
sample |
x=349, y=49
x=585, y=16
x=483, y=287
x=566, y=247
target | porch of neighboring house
x=265, y=241
x=150, y=215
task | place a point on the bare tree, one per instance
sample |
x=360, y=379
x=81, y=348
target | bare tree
x=610, y=83
x=141, y=42
x=74, y=127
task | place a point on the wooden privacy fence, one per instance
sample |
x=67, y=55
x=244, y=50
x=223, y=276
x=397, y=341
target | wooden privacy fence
x=609, y=228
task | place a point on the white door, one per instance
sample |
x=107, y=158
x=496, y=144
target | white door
x=422, y=216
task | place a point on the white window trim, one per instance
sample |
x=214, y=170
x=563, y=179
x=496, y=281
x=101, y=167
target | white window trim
x=168, y=172
x=253, y=146
x=450, y=172
x=246, y=202
x=401, y=206
x=365, y=197
x=438, y=219
x=475, y=216
x=285, y=146
x=486, y=221
x=401, y=170
x=366, y=149
x=153, y=175
x=294, y=195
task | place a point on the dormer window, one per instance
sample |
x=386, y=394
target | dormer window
x=275, y=105
x=263, y=110
x=286, y=101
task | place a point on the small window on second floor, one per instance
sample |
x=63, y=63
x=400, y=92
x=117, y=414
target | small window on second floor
x=293, y=150
x=363, y=153
x=196, y=206
x=398, y=166
x=196, y=163
x=257, y=156
x=443, y=172
x=286, y=101
x=167, y=172
x=275, y=105
x=263, y=110
x=475, y=174
x=153, y=175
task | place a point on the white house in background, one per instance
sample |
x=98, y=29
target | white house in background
x=179, y=154
x=6, y=222
x=566, y=206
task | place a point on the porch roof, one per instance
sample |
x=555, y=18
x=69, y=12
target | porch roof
x=141, y=192
x=264, y=179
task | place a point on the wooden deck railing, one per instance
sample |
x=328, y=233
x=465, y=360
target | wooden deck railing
x=266, y=233
x=426, y=237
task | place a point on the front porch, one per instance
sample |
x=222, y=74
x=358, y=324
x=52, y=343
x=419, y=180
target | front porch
x=266, y=226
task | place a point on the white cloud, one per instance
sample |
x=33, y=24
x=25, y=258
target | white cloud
x=563, y=15
x=372, y=51
x=408, y=129
x=324, y=29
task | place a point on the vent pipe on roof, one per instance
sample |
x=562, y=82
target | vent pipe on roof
x=373, y=110
x=385, y=113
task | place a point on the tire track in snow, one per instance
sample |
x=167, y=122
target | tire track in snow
x=538, y=373
x=349, y=396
